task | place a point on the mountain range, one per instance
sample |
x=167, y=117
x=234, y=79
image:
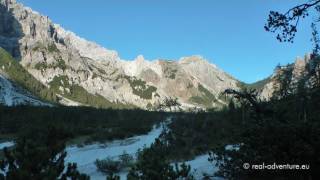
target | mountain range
x=43, y=64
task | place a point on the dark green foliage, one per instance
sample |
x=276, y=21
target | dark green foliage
x=41, y=65
x=257, y=85
x=169, y=103
x=284, y=78
x=53, y=48
x=193, y=134
x=170, y=70
x=38, y=154
x=112, y=167
x=285, y=24
x=153, y=164
x=314, y=71
x=79, y=94
x=113, y=177
x=58, y=64
x=108, y=166
x=94, y=124
x=284, y=131
x=73, y=173
x=61, y=64
x=59, y=81
x=172, y=74
x=140, y=88
x=126, y=159
x=206, y=99
x=20, y=76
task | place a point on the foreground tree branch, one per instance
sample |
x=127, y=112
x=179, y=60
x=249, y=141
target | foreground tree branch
x=249, y=95
x=286, y=23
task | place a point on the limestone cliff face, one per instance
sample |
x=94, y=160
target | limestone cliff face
x=303, y=71
x=51, y=53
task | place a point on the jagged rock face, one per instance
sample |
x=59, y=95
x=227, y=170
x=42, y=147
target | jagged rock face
x=10, y=29
x=298, y=72
x=215, y=79
x=187, y=78
x=48, y=51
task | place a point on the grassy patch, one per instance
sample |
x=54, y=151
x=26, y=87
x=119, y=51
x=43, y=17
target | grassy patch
x=60, y=63
x=206, y=98
x=53, y=48
x=170, y=72
x=140, y=88
x=79, y=94
x=257, y=85
x=41, y=65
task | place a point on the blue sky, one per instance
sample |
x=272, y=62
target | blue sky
x=229, y=33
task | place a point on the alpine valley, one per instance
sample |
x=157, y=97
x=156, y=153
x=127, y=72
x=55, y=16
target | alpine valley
x=72, y=109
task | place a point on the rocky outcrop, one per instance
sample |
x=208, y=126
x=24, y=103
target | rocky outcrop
x=303, y=72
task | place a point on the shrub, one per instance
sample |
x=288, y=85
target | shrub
x=108, y=165
x=126, y=159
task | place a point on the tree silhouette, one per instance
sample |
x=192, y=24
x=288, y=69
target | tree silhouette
x=152, y=163
x=170, y=103
x=285, y=24
x=37, y=155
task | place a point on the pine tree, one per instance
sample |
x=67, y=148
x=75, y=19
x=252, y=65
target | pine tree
x=38, y=155
x=153, y=164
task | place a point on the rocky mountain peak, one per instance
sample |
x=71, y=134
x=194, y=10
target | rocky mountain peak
x=193, y=58
x=196, y=60
x=86, y=48
x=139, y=59
x=299, y=66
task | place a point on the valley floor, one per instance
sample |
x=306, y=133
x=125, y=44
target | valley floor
x=86, y=156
